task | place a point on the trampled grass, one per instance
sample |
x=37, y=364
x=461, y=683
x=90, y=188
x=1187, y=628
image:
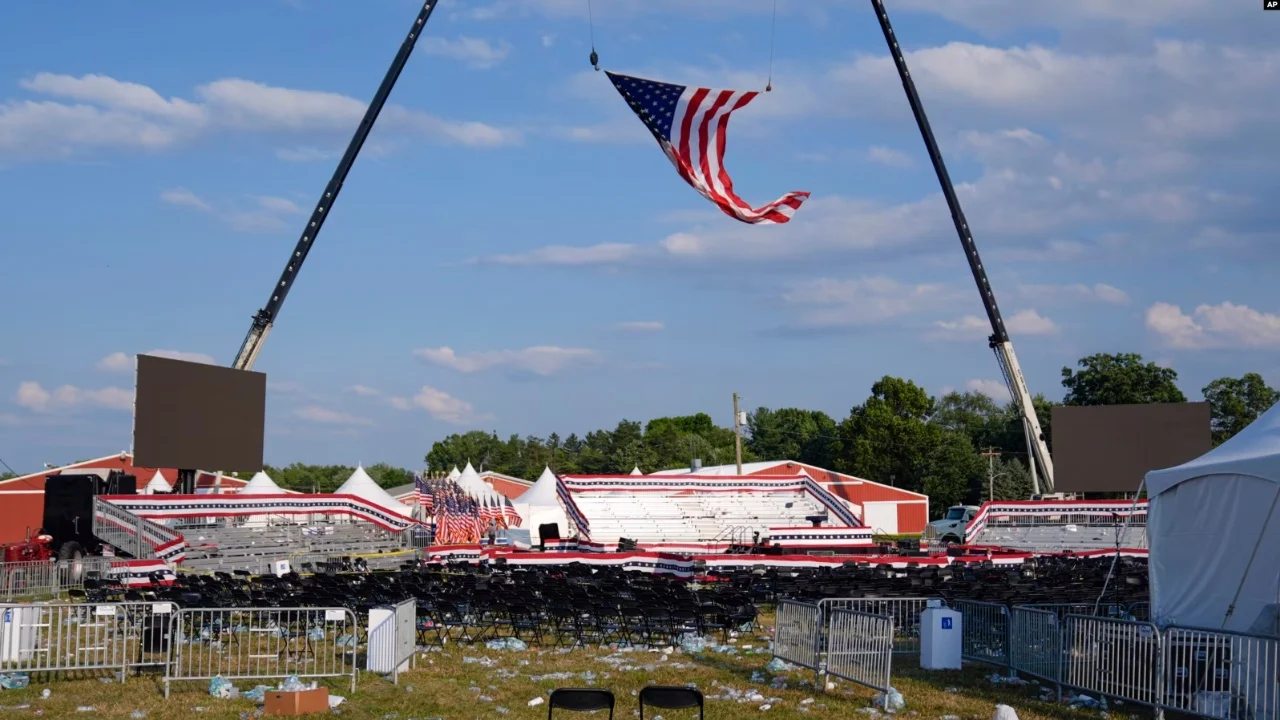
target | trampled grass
x=466, y=682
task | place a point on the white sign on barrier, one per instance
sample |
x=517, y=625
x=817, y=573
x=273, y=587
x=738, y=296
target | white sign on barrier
x=161, y=608
x=335, y=615
x=105, y=610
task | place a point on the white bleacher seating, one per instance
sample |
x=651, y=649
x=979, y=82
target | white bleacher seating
x=686, y=517
x=252, y=548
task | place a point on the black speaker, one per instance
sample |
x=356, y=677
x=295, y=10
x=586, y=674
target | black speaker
x=121, y=484
x=68, y=508
x=549, y=531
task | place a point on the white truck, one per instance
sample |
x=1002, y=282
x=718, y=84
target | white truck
x=949, y=529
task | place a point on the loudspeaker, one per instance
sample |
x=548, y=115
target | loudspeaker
x=68, y=508
x=549, y=531
x=121, y=484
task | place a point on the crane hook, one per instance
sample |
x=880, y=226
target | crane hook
x=595, y=59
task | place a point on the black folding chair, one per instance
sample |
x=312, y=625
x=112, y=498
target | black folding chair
x=669, y=697
x=580, y=700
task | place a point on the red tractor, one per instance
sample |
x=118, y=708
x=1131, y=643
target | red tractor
x=67, y=530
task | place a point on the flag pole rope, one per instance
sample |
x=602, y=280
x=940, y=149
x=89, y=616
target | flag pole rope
x=773, y=35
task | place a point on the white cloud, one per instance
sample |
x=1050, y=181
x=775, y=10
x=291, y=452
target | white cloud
x=541, y=360
x=194, y=357
x=1211, y=326
x=889, y=156
x=317, y=414
x=33, y=396
x=365, y=391
x=284, y=388
x=443, y=406
x=968, y=327
x=103, y=112
x=183, y=196
x=476, y=53
x=830, y=303
x=278, y=204
x=1100, y=292
x=642, y=326
x=548, y=40
x=304, y=154
x=116, y=362
x=602, y=254
x=994, y=389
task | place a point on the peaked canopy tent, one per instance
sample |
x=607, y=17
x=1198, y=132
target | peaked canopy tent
x=157, y=484
x=261, y=484
x=363, y=487
x=540, y=505
x=1213, y=526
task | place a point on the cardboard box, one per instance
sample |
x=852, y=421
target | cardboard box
x=299, y=702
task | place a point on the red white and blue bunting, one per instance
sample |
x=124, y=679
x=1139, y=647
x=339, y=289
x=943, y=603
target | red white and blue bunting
x=1040, y=512
x=173, y=507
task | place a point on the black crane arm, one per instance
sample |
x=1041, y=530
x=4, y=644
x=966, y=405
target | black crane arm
x=266, y=316
x=999, y=339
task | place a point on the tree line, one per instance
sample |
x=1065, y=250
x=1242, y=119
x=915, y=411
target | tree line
x=899, y=435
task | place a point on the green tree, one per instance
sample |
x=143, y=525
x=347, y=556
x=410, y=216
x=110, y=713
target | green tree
x=1236, y=402
x=807, y=436
x=389, y=476
x=310, y=478
x=887, y=437
x=476, y=447
x=6, y=475
x=951, y=472
x=1120, y=379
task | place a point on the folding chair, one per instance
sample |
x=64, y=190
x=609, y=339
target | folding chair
x=580, y=700
x=669, y=697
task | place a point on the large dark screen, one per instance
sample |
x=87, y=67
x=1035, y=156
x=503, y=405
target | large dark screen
x=192, y=415
x=1109, y=448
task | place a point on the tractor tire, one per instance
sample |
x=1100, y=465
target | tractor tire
x=72, y=555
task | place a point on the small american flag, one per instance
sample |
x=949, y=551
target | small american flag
x=691, y=126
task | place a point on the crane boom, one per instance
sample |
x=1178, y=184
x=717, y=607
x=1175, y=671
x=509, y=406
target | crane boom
x=265, y=318
x=999, y=340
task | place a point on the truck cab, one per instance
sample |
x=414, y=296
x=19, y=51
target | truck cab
x=949, y=529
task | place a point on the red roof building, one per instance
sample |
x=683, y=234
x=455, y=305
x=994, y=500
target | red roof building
x=22, y=498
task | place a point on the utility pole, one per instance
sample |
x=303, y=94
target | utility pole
x=737, y=433
x=991, y=454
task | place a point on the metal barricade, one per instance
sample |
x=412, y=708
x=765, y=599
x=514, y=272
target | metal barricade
x=1221, y=674
x=45, y=578
x=392, y=638
x=984, y=632
x=904, y=611
x=860, y=649
x=1140, y=611
x=261, y=643
x=797, y=633
x=64, y=637
x=1035, y=643
x=1118, y=658
x=1118, y=611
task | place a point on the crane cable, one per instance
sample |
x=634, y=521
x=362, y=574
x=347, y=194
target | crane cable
x=591, y=29
x=773, y=35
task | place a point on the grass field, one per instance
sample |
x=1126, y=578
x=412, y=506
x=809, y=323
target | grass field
x=473, y=682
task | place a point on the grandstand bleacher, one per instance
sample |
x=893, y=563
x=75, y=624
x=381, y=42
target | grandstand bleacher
x=651, y=517
x=228, y=548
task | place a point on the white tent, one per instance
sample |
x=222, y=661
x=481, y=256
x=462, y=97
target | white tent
x=540, y=505
x=1213, y=528
x=363, y=486
x=636, y=470
x=157, y=484
x=261, y=484
x=454, y=473
x=469, y=480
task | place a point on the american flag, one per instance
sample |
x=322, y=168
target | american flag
x=691, y=125
x=511, y=518
x=571, y=509
x=422, y=493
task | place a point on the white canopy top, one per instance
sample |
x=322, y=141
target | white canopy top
x=363, y=486
x=469, y=480
x=542, y=493
x=636, y=470
x=156, y=484
x=261, y=484
x=454, y=473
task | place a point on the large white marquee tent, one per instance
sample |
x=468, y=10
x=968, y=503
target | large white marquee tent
x=1214, y=530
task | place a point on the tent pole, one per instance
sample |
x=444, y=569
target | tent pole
x=1256, y=544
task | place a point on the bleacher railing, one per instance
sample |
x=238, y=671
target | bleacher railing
x=261, y=644
x=1037, y=513
x=860, y=649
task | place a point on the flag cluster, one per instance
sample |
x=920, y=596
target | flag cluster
x=460, y=518
x=571, y=508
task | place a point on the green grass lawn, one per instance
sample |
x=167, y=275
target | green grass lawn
x=448, y=685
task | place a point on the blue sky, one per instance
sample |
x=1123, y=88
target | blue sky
x=512, y=252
